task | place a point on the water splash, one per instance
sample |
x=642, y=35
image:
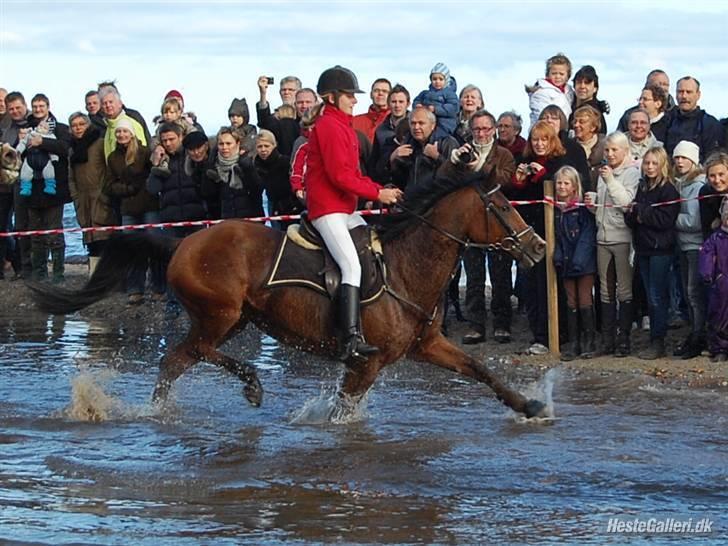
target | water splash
x=89, y=399
x=329, y=407
x=543, y=391
x=92, y=402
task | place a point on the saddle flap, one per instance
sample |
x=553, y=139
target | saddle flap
x=309, y=265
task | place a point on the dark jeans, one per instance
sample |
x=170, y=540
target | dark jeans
x=21, y=224
x=655, y=271
x=137, y=278
x=693, y=289
x=536, y=302
x=499, y=269
x=46, y=218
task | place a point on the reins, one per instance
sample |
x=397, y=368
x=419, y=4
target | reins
x=513, y=239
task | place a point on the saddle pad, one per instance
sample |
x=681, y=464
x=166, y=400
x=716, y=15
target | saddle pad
x=295, y=265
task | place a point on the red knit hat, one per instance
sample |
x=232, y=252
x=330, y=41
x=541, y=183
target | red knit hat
x=174, y=94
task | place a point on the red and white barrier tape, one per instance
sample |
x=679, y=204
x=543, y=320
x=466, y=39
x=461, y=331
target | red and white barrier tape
x=185, y=223
x=289, y=217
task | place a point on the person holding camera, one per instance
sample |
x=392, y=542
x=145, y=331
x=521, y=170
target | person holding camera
x=544, y=155
x=492, y=164
x=285, y=130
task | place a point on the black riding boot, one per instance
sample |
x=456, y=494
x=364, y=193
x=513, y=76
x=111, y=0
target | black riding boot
x=588, y=346
x=354, y=348
x=572, y=349
x=625, y=329
x=609, y=326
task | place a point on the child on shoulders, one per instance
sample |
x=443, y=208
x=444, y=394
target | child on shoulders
x=441, y=99
x=553, y=89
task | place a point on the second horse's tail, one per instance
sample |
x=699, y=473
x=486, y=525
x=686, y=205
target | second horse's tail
x=121, y=253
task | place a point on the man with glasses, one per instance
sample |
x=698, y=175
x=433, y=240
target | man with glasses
x=509, y=133
x=496, y=165
x=639, y=135
x=285, y=130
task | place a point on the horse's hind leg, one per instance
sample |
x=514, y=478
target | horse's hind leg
x=173, y=364
x=253, y=390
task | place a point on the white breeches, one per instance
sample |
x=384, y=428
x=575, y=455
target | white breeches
x=334, y=229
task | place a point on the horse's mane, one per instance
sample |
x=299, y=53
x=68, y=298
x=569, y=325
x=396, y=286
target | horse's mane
x=419, y=200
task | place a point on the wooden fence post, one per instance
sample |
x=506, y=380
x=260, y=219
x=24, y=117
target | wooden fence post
x=552, y=291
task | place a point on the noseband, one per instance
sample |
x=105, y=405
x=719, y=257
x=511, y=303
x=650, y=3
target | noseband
x=513, y=241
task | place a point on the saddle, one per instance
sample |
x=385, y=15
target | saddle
x=302, y=260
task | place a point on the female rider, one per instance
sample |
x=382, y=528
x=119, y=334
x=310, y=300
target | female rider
x=334, y=183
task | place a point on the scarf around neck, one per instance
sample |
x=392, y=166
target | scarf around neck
x=81, y=145
x=225, y=168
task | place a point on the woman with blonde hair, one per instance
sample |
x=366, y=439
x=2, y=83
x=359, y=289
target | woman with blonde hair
x=616, y=187
x=654, y=237
x=587, y=126
x=128, y=169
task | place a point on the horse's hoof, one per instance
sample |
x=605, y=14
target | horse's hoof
x=254, y=393
x=535, y=408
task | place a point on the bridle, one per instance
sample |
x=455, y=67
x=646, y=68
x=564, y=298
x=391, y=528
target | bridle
x=513, y=242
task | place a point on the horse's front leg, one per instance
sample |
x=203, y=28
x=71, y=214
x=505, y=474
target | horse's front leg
x=437, y=350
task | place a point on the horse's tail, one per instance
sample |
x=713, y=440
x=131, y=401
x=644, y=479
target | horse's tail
x=121, y=253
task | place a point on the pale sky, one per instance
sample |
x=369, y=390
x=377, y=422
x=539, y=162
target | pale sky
x=214, y=51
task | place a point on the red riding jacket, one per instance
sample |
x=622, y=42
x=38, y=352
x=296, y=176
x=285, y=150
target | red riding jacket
x=334, y=182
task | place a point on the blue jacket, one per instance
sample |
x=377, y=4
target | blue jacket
x=447, y=106
x=575, y=254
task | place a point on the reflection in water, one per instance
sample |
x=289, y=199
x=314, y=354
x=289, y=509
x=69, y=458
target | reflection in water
x=426, y=458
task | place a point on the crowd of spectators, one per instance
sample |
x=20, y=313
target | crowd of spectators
x=628, y=249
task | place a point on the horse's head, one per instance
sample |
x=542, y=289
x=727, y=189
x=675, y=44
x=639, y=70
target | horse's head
x=502, y=228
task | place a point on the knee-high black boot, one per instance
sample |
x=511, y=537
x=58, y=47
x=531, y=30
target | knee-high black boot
x=572, y=349
x=354, y=348
x=625, y=329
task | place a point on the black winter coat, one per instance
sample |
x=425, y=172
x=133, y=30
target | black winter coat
x=709, y=209
x=418, y=169
x=653, y=228
x=286, y=131
x=274, y=175
x=58, y=146
x=245, y=202
x=697, y=126
x=179, y=194
x=382, y=147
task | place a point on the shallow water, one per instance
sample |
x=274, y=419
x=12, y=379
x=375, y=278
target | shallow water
x=427, y=457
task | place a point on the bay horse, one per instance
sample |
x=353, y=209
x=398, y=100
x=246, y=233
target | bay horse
x=219, y=276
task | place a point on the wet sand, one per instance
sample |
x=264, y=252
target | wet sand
x=697, y=372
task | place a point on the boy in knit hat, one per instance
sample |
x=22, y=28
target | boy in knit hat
x=441, y=99
x=239, y=116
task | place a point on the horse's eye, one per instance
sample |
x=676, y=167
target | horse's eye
x=505, y=208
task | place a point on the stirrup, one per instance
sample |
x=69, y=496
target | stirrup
x=356, y=351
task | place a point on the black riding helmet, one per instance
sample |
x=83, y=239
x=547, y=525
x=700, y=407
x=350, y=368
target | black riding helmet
x=337, y=78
